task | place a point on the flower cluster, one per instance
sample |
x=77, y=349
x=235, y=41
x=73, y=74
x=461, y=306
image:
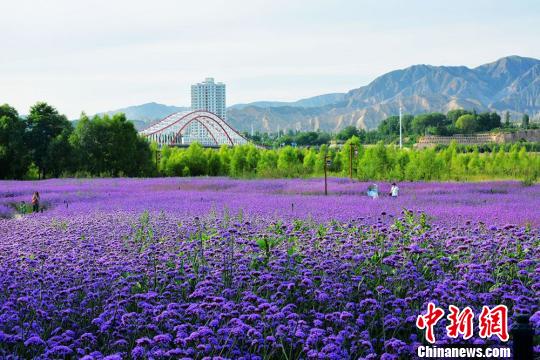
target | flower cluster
x=230, y=270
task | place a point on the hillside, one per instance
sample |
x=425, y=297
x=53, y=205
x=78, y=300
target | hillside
x=143, y=115
x=508, y=84
x=315, y=101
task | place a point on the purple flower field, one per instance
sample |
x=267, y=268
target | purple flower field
x=257, y=269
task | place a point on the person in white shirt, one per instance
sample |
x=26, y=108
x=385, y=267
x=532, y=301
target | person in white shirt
x=394, y=191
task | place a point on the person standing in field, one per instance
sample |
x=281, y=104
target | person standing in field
x=373, y=191
x=394, y=191
x=35, y=202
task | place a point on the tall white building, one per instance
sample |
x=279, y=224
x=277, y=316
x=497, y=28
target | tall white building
x=209, y=96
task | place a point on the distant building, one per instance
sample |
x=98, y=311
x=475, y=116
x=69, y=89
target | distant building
x=500, y=137
x=209, y=96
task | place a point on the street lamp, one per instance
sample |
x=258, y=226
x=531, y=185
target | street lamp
x=327, y=163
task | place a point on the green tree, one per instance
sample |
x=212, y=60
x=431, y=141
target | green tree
x=390, y=125
x=143, y=159
x=487, y=121
x=321, y=159
x=402, y=159
x=87, y=141
x=48, y=132
x=288, y=162
x=111, y=146
x=155, y=154
x=375, y=163
x=165, y=154
x=436, y=122
x=127, y=154
x=412, y=167
x=267, y=164
x=196, y=160
x=225, y=154
x=453, y=115
x=214, y=162
x=347, y=133
x=14, y=154
x=176, y=163
x=337, y=161
x=507, y=119
x=310, y=159
x=466, y=123
x=322, y=138
x=252, y=158
x=525, y=121
x=60, y=154
x=475, y=163
x=306, y=138
x=430, y=166
x=238, y=161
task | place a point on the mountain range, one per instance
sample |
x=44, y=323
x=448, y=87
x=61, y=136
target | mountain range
x=146, y=114
x=509, y=84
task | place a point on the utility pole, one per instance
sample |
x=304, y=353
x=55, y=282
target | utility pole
x=400, y=134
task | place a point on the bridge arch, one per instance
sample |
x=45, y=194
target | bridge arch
x=184, y=128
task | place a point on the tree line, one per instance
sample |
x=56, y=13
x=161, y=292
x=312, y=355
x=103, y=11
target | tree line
x=453, y=122
x=376, y=162
x=46, y=144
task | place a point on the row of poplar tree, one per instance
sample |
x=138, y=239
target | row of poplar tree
x=382, y=162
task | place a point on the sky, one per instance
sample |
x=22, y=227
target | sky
x=103, y=55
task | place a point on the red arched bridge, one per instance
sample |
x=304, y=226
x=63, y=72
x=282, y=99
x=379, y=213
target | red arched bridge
x=184, y=128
